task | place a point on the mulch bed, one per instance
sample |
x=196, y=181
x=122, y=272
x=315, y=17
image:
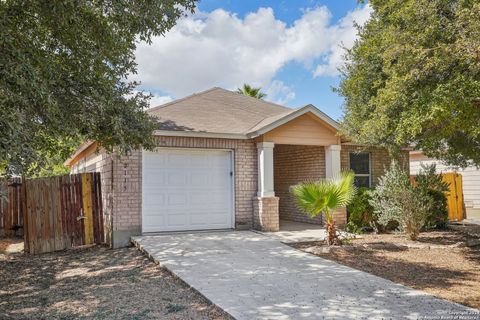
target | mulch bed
x=438, y=263
x=94, y=283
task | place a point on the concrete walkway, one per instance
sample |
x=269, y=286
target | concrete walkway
x=253, y=276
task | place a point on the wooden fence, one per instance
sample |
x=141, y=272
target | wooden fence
x=56, y=213
x=11, y=213
x=455, y=204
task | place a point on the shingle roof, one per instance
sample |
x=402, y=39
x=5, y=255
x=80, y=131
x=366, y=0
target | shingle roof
x=217, y=111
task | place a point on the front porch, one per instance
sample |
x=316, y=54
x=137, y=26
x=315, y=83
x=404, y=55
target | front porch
x=303, y=149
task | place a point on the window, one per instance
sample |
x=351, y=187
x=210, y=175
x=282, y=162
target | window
x=360, y=165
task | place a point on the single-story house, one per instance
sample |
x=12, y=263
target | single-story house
x=470, y=180
x=223, y=161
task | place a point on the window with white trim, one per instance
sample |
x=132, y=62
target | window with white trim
x=360, y=165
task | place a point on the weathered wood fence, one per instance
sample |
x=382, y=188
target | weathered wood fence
x=11, y=213
x=59, y=212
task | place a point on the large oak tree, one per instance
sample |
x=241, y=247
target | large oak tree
x=63, y=75
x=413, y=79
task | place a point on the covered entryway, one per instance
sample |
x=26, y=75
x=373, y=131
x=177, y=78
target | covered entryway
x=187, y=189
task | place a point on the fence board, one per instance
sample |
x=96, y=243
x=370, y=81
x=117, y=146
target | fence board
x=54, y=214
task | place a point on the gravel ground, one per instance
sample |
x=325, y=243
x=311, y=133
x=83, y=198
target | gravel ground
x=437, y=263
x=94, y=283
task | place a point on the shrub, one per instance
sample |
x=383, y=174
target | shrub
x=396, y=200
x=432, y=184
x=360, y=211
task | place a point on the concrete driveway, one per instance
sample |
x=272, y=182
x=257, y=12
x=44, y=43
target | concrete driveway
x=255, y=276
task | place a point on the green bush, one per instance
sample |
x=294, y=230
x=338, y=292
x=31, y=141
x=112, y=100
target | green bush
x=431, y=183
x=360, y=211
x=396, y=200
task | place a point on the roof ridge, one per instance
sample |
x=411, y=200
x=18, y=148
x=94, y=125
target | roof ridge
x=181, y=99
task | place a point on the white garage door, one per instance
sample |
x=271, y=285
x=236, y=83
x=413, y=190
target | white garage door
x=185, y=189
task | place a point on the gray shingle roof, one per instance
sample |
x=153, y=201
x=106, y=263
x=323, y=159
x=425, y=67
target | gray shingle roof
x=217, y=111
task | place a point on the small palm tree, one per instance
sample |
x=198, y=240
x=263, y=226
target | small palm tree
x=325, y=196
x=251, y=91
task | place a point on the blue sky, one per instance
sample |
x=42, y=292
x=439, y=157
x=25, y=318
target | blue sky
x=290, y=48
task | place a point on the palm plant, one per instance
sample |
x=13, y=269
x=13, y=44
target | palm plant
x=325, y=196
x=251, y=91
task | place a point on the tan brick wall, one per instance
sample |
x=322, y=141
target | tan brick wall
x=294, y=164
x=340, y=216
x=379, y=159
x=265, y=213
x=127, y=181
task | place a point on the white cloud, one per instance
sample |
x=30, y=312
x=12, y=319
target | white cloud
x=279, y=93
x=345, y=33
x=220, y=49
x=157, y=100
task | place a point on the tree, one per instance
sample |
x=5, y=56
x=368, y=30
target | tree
x=413, y=78
x=64, y=68
x=251, y=91
x=325, y=196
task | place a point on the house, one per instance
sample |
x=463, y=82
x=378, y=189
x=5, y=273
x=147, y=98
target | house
x=470, y=180
x=223, y=160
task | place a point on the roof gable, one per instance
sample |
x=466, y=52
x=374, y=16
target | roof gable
x=219, y=111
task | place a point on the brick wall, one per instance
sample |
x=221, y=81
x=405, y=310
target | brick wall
x=294, y=164
x=379, y=159
x=265, y=213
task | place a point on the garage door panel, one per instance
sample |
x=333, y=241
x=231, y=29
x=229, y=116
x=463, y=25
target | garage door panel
x=198, y=179
x=186, y=190
x=177, y=219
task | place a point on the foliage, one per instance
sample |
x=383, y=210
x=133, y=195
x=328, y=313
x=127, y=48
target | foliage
x=51, y=162
x=413, y=78
x=250, y=91
x=325, y=196
x=431, y=183
x=395, y=199
x=361, y=213
x=63, y=75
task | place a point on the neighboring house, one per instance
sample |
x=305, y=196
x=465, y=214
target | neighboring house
x=223, y=160
x=470, y=181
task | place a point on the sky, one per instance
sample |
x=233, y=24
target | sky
x=292, y=49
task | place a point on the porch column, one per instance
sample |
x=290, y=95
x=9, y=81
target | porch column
x=265, y=169
x=332, y=160
x=265, y=204
x=333, y=167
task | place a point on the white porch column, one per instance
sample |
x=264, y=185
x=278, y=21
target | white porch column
x=332, y=160
x=265, y=169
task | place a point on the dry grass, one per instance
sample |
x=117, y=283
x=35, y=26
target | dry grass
x=436, y=263
x=94, y=283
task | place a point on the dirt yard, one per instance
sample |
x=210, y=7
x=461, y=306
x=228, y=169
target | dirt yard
x=438, y=263
x=95, y=283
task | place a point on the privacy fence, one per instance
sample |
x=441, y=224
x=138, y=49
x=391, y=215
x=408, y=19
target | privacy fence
x=55, y=213
x=11, y=213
